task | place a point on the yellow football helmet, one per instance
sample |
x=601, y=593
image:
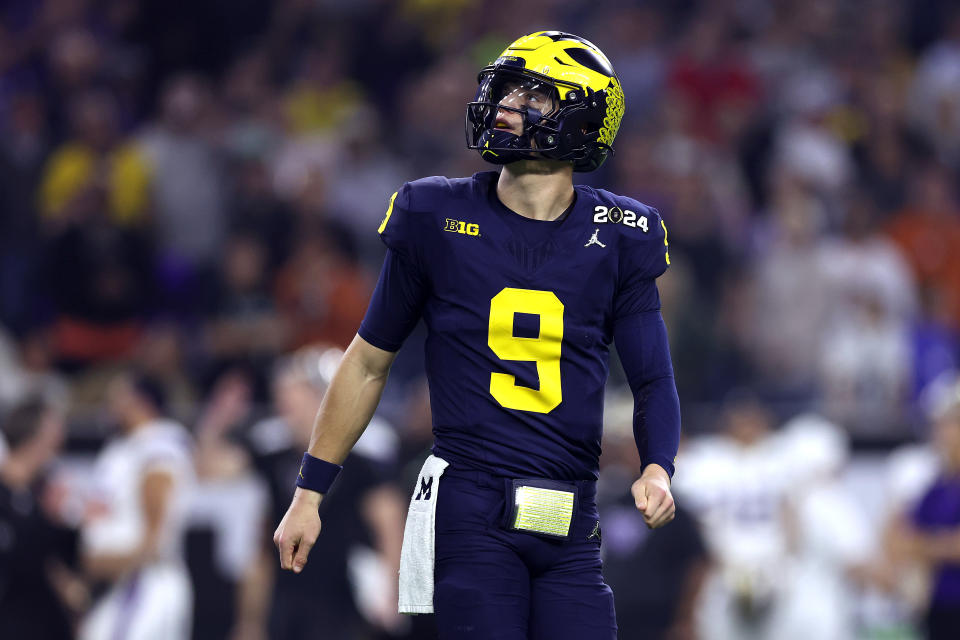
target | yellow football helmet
x=579, y=109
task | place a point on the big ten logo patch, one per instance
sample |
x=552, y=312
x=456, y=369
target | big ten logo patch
x=616, y=215
x=459, y=226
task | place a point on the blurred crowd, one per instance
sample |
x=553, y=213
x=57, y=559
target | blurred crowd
x=189, y=193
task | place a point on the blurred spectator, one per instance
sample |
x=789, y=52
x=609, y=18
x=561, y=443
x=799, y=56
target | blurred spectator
x=257, y=211
x=11, y=375
x=133, y=541
x=936, y=344
x=806, y=147
x=694, y=341
x=895, y=588
x=300, y=167
x=930, y=534
x=188, y=184
x=38, y=373
x=656, y=575
x=321, y=97
x=865, y=358
x=244, y=327
x=161, y=356
x=927, y=230
x=97, y=155
x=711, y=77
x=99, y=276
x=363, y=179
x=247, y=95
x=76, y=59
x=883, y=151
x=24, y=143
x=935, y=94
x=38, y=591
x=785, y=336
x=431, y=109
x=321, y=291
x=227, y=511
x=634, y=37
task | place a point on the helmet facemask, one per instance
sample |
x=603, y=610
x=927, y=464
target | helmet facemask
x=558, y=130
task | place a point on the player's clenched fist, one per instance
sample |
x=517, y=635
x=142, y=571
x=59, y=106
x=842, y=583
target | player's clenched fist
x=651, y=493
x=298, y=530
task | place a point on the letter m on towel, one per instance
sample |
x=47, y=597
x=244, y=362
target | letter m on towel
x=426, y=488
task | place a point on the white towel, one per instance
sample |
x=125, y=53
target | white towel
x=416, y=557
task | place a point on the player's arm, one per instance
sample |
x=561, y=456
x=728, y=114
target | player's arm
x=929, y=547
x=641, y=340
x=155, y=492
x=353, y=396
x=346, y=409
x=348, y=405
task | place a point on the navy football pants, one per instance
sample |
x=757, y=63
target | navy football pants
x=496, y=584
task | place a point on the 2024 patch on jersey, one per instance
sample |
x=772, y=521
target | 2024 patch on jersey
x=520, y=316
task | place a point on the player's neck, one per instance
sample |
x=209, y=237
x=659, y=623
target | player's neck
x=537, y=189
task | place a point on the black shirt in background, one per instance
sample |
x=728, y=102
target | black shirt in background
x=648, y=570
x=29, y=607
x=318, y=602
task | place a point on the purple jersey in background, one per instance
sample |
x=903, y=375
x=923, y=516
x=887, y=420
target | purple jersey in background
x=939, y=509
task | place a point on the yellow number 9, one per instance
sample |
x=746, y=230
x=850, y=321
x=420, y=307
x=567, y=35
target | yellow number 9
x=544, y=349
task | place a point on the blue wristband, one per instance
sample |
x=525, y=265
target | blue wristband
x=316, y=474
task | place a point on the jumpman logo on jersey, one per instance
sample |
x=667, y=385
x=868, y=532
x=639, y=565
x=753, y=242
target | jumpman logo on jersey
x=595, y=533
x=595, y=240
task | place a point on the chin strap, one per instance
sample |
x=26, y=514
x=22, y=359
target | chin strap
x=499, y=146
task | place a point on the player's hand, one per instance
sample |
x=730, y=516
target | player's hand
x=651, y=493
x=298, y=530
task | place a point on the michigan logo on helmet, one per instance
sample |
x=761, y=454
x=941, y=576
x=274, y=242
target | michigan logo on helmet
x=566, y=92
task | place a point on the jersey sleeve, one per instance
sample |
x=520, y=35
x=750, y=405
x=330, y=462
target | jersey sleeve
x=397, y=228
x=396, y=304
x=165, y=453
x=641, y=340
x=401, y=291
x=644, y=256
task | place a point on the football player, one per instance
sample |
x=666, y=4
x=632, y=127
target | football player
x=134, y=541
x=524, y=280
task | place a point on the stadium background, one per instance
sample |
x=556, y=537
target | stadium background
x=191, y=190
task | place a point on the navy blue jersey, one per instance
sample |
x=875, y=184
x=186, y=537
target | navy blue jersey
x=520, y=316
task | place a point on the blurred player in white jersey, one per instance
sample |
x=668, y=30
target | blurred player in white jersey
x=134, y=542
x=788, y=538
x=737, y=483
x=832, y=542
